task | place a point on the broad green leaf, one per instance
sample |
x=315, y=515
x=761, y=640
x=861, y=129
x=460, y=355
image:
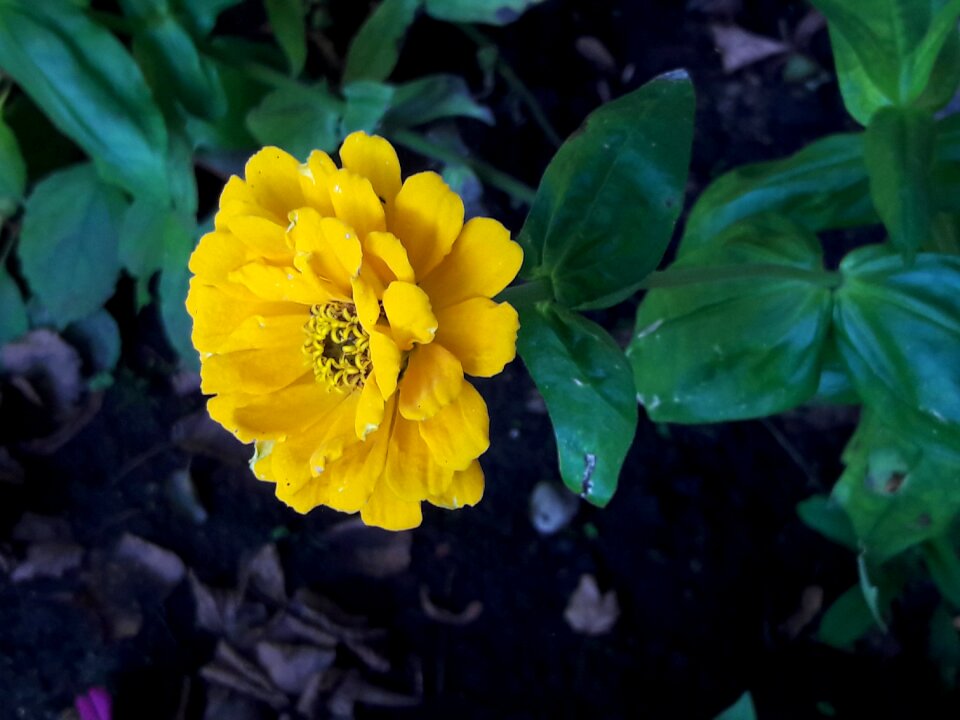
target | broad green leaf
x=870, y=590
x=899, y=154
x=230, y=132
x=742, y=333
x=945, y=181
x=289, y=23
x=146, y=232
x=202, y=14
x=892, y=52
x=742, y=709
x=90, y=88
x=835, y=387
x=13, y=312
x=490, y=12
x=172, y=291
x=605, y=210
x=68, y=244
x=175, y=67
x=183, y=176
x=367, y=103
x=298, y=121
x=944, y=566
x=375, y=48
x=898, y=331
x=13, y=172
x=434, y=97
x=821, y=187
x=585, y=382
x=897, y=492
x=846, y=620
x=97, y=338
x=824, y=515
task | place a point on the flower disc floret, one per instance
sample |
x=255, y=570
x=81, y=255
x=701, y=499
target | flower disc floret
x=337, y=312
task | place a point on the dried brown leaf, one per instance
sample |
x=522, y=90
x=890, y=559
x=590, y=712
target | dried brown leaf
x=49, y=364
x=471, y=612
x=290, y=628
x=48, y=560
x=231, y=670
x=589, y=612
x=739, y=48
x=290, y=667
x=368, y=550
x=263, y=574
x=597, y=53
x=161, y=564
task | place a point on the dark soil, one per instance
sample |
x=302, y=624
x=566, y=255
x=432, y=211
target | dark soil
x=701, y=543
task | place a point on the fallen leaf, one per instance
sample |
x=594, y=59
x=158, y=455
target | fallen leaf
x=162, y=564
x=200, y=435
x=355, y=690
x=49, y=364
x=222, y=704
x=290, y=667
x=182, y=494
x=214, y=610
x=739, y=48
x=368, y=550
x=230, y=670
x=48, y=560
x=589, y=612
x=471, y=612
x=552, y=507
x=263, y=574
x=597, y=53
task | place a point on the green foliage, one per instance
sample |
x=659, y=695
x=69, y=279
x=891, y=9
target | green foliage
x=431, y=98
x=742, y=709
x=288, y=20
x=608, y=201
x=375, y=48
x=69, y=243
x=90, y=88
x=298, y=120
x=13, y=312
x=847, y=620
x=894, y=52
x=581, y=374
x=746, y=344
x=490, y=12
x=13, y=172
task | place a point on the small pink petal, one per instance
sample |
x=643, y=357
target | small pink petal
x=95, y=705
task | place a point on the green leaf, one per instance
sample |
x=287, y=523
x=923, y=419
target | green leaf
x=13, y=172
x=944, y=645
x=847, y=620
x=147, y=231
x=742, y=333
x=828, y=518
x=89, y=87
x=889, y=52
x=202, y=14
x=288, y=20
x=898, y=331
x=13, y=312
x=68, y=245
x=823, y=186
x=944, y=566
x=835, y=387
x=229, y=132
x=870, y=590
x=367, y=104
x=896, y=492
x=490, y=12
x=586, y=385
x=605, y=210
x=97, y=337
x=742, y=709
x=175, y=67
x=298, y=121
x=899, y=154
x=375, y=48
x=172, y=291
x=434, y=97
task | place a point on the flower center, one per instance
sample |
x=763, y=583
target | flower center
x=337, y=345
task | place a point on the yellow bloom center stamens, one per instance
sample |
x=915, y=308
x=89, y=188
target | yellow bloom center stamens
x=337, y=345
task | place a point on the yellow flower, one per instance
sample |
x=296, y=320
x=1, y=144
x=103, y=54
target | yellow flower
x=336, y=312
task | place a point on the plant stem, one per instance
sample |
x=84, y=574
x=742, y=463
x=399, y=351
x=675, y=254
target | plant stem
x=516, y=86
x=681, y=277
x=487, y=173
x=536, y=290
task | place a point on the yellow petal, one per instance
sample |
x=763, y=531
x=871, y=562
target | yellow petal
x=238, y=199
x=369, y=409
x=326, y=248
x=274, y=178
x=384, y=253
x=460, y=432
x=314, y=182
x=384, y=509
x=262, y=236
x=466, y=488
x=483, y=261
x=217, y=315
x=386, y=357
x=265, y=332
x=373, y=158
x=253, y=371
x=355, y=202
x=352, y=478
x=411, y=318
x=280, y=284
x=427, y=217
x=411, y=471
x=433, y=379
x=217, y=254
x=334, y=434
x=481, y=333
x=368, y=307
x=278, y=414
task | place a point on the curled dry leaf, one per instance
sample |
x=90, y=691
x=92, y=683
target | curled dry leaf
x=291, y=667
x=589, y=612
x=739, y=48
x=263, y=574
x=354, y=689
x=231, y=670
x=471, y=612
x=48, y=560
x=161, y=564
x=49, y=365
